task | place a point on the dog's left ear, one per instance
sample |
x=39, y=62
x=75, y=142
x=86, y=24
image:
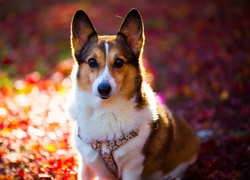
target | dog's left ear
x=133, y=30
x=82, y=30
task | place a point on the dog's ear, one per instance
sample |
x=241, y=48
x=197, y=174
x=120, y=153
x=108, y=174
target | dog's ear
x=133, y=30
x=82, y=30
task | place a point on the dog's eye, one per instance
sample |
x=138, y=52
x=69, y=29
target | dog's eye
x=118, y=63
x=92, y=63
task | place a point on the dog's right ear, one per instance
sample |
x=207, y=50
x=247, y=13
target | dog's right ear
x=133, y=30
x=82, y=30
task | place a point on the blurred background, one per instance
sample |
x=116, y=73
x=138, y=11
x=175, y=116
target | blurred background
x=197, y=55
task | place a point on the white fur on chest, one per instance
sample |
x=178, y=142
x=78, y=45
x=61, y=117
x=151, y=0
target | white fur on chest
x=107, y=122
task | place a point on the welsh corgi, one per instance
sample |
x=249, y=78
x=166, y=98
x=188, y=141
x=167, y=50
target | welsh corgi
x=121, y=131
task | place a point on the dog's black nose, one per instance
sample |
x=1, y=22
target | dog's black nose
x=104, y=89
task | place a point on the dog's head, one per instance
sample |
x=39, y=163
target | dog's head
x=108, y=65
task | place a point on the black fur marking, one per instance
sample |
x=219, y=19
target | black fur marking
x=101, y=46
x=78, y=73
x=82, y=55
x=141, y=100
x=121, y=35
x=127, y=51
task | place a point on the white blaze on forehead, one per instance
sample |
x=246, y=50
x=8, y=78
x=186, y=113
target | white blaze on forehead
x=106, y=51
x=106, y=70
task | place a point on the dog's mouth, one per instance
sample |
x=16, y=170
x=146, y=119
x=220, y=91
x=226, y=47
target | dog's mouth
x=104, y=97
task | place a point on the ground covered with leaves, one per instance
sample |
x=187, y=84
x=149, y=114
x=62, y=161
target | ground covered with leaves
x=198, y=59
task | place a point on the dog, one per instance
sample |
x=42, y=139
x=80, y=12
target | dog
x=121, y=131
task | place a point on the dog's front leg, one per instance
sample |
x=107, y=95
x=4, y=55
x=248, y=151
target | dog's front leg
x=99, y=168
x=84, y=171
x=133, y=168
x=91, y=166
